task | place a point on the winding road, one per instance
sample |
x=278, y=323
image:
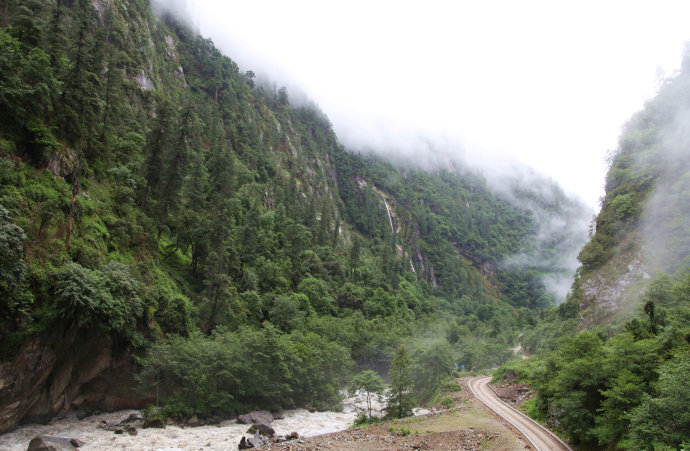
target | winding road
x=541, y=438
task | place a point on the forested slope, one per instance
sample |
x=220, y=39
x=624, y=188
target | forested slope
x=165, y=219
x=621, y=381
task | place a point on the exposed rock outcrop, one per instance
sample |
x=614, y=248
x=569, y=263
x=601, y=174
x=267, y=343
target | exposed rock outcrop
x=63, y=369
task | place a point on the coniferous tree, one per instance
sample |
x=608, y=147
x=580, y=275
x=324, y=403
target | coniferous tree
x=176, y=161
x=156, y=146
x=399, y=402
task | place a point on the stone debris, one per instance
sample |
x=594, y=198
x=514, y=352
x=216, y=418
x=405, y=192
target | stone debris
x=49, y=443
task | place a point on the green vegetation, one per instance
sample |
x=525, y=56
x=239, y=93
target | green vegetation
x=400, y=398
x=624, y=389
x=152, y=192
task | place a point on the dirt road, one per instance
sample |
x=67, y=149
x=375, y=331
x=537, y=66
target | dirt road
x=542, y=439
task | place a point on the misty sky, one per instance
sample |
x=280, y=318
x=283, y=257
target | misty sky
x=549, y=83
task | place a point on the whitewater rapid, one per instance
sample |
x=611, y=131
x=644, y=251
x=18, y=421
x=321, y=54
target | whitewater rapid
x=223, y=436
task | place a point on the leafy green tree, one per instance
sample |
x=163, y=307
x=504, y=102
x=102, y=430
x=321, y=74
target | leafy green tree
x=573, y=385
x=317, y=291
x=399, y=401
x=286, y=312
x=369, y=382
x=664, y=418
x=431, y=363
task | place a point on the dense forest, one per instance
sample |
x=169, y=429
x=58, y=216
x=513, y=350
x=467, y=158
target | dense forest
x=612, y=363
x=175, y=233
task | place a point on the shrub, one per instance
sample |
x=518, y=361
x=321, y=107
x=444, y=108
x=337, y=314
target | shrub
x=446, y=402
x=107, y=298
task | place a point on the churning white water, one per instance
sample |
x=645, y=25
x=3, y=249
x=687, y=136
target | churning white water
x=223, y=436
x=216, y=437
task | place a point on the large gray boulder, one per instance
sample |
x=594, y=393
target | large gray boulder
x=257, y=416
x=48, y=443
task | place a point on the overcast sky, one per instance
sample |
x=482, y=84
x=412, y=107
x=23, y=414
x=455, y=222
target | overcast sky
x=549, y=83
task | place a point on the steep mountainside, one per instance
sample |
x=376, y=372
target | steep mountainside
x=611, y=363
x=643, y=229
x=168, y=226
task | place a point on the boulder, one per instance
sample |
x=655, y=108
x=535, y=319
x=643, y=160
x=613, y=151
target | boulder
x=244, y=419
x=259, y=441
x=292, y=436
x=262, y=429
x=261, y=416
x=136, y=416
x=257, y=416
x=194, y=421
x=154, y=422
x=49, y=443
x=40, y=444
x=244, y=444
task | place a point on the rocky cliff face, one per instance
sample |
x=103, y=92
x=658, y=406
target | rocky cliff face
x=66, y=369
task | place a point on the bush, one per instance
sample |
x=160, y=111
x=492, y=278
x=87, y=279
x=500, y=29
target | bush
x=446, y=402
x=450, y=386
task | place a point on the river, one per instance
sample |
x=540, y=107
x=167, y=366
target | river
x=223, y=436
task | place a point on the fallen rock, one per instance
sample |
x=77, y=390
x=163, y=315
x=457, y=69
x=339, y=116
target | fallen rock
x=261, y=429
x=154, y=422
x=244, y=444
x=136, y=416
x=257, y=416
x=259, y=441
x=39, y=444
x=261, y=416
x=131, y=430
x=244, y=419
x=193, y=421
x=292, y=436
x=48, y=443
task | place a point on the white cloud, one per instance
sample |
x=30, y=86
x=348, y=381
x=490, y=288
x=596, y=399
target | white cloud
x=549, y=83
